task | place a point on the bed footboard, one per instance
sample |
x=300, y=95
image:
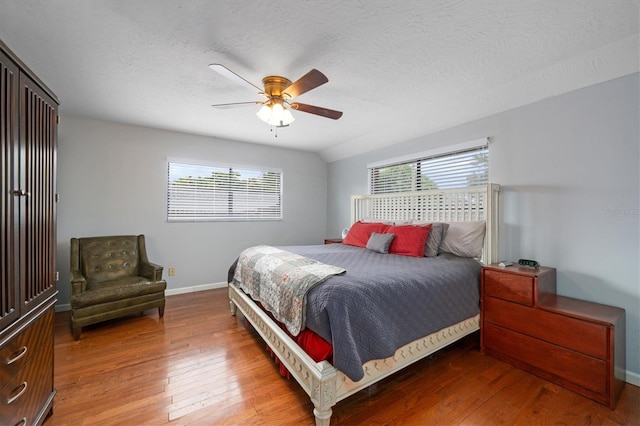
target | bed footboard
x=319, y=380
x=325, y=384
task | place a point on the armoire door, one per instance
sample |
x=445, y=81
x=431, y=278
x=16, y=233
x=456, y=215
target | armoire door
x=9, y=132
x=37, y=201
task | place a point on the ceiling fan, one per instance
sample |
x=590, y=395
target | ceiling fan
x=278, y=92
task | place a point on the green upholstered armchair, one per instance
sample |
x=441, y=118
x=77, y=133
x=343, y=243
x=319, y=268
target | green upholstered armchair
x=112, y=277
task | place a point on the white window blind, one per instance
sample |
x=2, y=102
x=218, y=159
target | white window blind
x=202, y=192
x=458, y=169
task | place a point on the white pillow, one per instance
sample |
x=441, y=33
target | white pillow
x=464, y=239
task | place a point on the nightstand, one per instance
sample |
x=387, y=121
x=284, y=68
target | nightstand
x=576, y=344
x=333, y=240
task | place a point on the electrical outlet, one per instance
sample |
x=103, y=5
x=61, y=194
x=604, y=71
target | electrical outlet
x=172, y=271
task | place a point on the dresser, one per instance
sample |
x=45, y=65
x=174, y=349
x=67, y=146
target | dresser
x=28, y=149
x=576, y=344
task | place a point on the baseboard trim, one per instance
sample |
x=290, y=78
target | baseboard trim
x=63, y=307
x=195, y=288
x=632, y=378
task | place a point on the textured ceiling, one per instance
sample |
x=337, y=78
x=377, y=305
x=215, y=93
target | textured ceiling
x=397, y=69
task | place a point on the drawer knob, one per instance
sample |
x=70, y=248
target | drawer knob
x=20, y=353
x=22, y=422
x=21, y=392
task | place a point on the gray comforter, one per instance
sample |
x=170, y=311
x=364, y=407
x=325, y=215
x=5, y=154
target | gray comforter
x=385, y=301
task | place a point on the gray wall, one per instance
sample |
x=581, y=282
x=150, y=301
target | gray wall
x=112, y=181
x=569, y=171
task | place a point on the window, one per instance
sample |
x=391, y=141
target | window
x=203, y=192
x=464, y=165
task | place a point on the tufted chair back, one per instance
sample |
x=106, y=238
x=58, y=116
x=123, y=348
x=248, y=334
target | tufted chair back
x=109, y=258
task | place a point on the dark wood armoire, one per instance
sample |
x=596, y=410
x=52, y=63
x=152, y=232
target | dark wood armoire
x=28, y=148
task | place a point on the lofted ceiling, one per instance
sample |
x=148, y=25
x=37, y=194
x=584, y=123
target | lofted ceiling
x=397, y=69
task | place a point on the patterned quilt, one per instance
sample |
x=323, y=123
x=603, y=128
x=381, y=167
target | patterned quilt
x=280, y=281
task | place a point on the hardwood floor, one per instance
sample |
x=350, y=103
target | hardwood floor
x=201, y=366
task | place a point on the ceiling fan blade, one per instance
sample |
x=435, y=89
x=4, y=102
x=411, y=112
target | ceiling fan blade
x=236, y=104
x=310, y=80
x=221, y=69
x=323, y=112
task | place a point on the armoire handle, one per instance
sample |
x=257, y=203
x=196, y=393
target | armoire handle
x=22, y=352
x=21, y=193
x=23, y=385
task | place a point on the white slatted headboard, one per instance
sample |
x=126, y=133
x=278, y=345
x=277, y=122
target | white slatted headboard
x=479, y=203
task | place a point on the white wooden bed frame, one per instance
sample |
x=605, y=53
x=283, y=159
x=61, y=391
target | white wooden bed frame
x=325, y=384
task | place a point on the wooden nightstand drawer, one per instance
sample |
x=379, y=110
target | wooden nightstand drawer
x=518, y=284
x=512, y=287
x=582, y=336
x=549, y=360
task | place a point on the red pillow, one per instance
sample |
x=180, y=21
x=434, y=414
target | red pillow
x=359, y=233
x=410, y=240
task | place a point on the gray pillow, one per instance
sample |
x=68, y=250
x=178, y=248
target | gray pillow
x=436, y=235
x=380, y=242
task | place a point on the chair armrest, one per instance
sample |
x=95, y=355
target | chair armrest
x=78, y=282
x=151, y=271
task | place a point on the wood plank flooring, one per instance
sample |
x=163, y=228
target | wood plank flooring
x=201, y=366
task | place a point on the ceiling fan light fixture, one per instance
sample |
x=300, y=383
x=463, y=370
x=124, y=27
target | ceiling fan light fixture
x=276, y=109
x=274, y=114
x=265, y=113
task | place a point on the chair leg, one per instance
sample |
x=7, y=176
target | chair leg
x=161, y=311
x=76, y=333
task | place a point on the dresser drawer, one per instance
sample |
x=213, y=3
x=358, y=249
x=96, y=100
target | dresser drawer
x=582, y=336
x=512, y=287
x=563, y=364
x=16, y=352
x=27, y=392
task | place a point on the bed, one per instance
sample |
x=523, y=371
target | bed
x=358, y=364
